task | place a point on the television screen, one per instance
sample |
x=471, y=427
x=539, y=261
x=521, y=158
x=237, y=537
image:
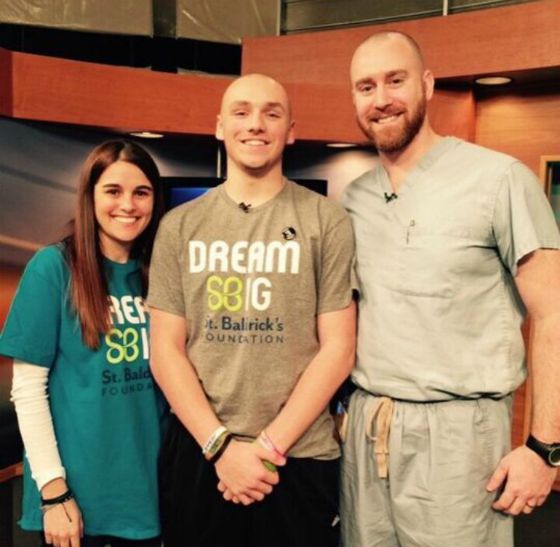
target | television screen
x=181, y=189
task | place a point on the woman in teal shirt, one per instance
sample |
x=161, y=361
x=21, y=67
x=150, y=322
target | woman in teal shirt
x=89, y=412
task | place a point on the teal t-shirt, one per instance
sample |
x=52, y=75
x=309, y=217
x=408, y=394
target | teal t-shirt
x=106, y=409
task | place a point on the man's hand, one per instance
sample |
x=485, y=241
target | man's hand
x=528, y=481
x=243, y=476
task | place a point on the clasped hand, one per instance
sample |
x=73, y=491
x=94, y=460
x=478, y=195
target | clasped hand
x=244, y=478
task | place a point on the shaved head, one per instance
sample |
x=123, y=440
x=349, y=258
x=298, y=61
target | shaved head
x=392, y=36
x=250, y=84
x=255, y=124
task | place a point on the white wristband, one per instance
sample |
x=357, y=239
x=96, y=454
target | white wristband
x=208, y=445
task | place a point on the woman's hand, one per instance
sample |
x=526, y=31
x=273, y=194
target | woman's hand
x=62, y=522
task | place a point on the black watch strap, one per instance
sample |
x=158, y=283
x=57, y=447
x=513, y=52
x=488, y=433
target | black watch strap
x=550, y=453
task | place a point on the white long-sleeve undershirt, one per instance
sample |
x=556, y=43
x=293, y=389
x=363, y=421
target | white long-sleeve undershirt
x=30, y=397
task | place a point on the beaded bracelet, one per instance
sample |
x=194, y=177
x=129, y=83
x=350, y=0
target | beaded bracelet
x=51, y=503
x=66, y=496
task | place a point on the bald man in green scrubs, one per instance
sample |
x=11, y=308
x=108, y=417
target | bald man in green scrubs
x=455, y=243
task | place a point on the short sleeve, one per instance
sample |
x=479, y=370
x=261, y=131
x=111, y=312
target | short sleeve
x=355, y=280
x=336, y=278
x=165, y=288
x=523, y=219
x=31, y=331
x=346, y=201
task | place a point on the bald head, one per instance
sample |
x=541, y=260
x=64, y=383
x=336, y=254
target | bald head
x=253, y=87
x=395, y=40
x=255, y=125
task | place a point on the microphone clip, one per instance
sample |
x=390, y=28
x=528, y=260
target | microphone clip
x=244, y=206
x=390, y=197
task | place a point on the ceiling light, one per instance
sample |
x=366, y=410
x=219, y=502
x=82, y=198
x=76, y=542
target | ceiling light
x=493, y=80
x=341, y=145
x=147, y=135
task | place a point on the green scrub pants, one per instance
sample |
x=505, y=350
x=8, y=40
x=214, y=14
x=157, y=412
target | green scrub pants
x=441, y=456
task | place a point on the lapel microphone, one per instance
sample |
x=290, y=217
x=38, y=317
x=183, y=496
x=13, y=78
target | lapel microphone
x=244, y=206
x=388, y=197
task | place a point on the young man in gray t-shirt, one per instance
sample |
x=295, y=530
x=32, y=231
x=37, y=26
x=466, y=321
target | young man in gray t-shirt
x=253, y=330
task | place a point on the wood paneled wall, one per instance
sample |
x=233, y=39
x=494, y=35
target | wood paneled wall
x=508, y=39
x=325, y=113
x=48, y=89
x=523, y=122
x=9, y=279
x=36, y=87
x=524, y=37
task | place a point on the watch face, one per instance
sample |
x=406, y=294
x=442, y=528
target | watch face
x=554, y=456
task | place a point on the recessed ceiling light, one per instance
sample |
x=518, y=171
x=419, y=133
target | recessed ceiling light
x=341, y=145
x=146, y=135
x=493, y=80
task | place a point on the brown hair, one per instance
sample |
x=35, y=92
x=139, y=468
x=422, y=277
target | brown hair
x=88, y=285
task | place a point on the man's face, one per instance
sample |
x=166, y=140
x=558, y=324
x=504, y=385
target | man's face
x=255, y=124
x=390, y=90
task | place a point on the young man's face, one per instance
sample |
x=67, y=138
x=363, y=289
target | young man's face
x=255, y=123
x=390, y=90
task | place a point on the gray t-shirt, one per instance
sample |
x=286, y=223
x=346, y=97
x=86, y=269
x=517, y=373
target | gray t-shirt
x=440, y=315
x=251, y=285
